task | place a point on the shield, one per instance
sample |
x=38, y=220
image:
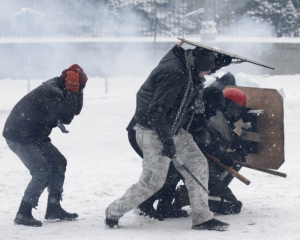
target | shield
x=269, y=127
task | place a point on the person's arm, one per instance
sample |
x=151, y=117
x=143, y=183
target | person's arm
x=209, y=141
x=66, y=109
x=80, y=103
x=167, y=90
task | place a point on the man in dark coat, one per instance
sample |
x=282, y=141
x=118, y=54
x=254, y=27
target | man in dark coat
x=27, y=130
x=167, y=103
x=214, y=138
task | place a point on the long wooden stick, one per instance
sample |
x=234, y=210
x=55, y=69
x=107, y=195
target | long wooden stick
x=280, y=174
x=182, y=40
x=230, y=170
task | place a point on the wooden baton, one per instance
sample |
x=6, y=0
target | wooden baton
x=182, y=40
x=230, y=170
x=266, y=170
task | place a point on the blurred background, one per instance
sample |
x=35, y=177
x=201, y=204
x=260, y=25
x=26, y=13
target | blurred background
x=39, y=38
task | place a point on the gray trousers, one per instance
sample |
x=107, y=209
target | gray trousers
x=155, y=168
x=47, y=167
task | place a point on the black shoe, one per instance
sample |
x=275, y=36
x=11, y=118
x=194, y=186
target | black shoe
x=212, y=224
x=24, y=216
x=27, y=221
x=172, y=213
x=229, y=207
x=55, y=211
x=150, y=212
x=111, y=223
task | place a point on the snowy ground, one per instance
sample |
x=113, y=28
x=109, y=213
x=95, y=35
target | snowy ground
x=102, y=165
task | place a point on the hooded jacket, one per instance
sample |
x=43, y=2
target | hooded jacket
x=36, y=114
x=160, y=97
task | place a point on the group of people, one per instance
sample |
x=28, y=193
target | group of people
x=175, y=117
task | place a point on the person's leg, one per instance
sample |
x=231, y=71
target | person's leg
x=155, y=168
x=146, y=208
x=195, y=161
x=31, y=156
x=57, y=164
x=167, y=194
x=189, y=153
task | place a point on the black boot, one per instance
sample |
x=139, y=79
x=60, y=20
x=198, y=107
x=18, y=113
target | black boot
x=168, y=210
x=24, y=216
x=111, y=223
x=146, y=209
x=212, y=224
x=229, y=207
x=55, y=211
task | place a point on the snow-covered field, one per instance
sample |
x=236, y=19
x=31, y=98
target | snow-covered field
x=102, y=165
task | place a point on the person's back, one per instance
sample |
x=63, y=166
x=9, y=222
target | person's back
x=34, y=116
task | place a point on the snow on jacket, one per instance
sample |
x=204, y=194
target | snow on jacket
x=34, y=116
x=160, y=97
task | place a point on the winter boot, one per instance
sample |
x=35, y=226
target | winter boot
x=168, y=210
x=181, y=197
x=146, y=209
x=24, y=216
x=172, y=212
x=55, y=211
x=212, y=224
x=111, y=223
x=229, y=207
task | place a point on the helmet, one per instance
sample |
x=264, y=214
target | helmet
x=235, y=95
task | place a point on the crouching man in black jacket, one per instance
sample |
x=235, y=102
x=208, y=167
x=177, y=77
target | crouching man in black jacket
x=167, y=103
x=27, y=131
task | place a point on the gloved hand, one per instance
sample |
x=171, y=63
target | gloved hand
x=246, y=117
x=226, y=159
x=82, y=78
x=237, y=144
x=77, y=69
x=72, y=81
x=169, y=148
x=221, y=61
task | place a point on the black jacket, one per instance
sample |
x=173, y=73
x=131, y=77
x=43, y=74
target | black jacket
x=160, y=97
x=34, y=116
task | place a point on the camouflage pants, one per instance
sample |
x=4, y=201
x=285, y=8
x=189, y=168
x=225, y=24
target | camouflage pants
x=155, y=168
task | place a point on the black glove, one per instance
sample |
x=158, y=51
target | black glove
x=237, y=144
x=247, y=117
x=221, y=61
x=226, y=159
x=169, y=148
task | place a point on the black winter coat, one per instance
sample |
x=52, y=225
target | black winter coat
x=34, y=116
x=160, y=97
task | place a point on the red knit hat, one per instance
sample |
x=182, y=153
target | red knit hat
x=76, y=68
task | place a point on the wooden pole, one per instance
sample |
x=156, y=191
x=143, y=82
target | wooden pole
x=230, y=170
x=182, y=40
x=266, y=170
